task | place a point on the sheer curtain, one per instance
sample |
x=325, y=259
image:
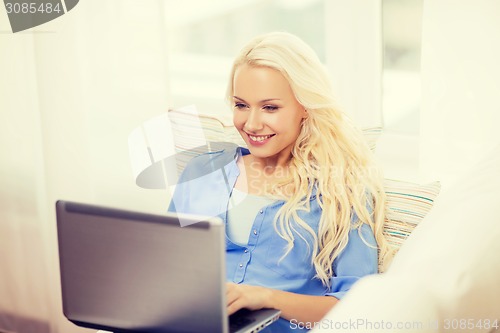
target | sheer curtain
x=460, y=86
x=354, y=57
x=71, y=91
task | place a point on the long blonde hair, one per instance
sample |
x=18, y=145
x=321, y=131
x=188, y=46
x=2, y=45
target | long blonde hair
x=330, y=156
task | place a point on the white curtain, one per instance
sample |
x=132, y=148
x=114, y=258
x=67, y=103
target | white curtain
x=354, y=57
x=460, y=85
x=71, y=92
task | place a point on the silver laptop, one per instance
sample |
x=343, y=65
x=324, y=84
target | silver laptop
x=126, y=271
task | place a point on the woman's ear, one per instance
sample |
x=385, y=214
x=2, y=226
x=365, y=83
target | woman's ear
x=305, y=115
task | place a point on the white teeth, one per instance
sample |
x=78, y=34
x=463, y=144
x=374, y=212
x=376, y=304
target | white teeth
x=259, y=138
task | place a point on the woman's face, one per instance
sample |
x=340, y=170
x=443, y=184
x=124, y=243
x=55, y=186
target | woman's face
x=266, y=113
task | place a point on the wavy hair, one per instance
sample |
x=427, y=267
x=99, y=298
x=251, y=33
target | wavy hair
x=330, y=156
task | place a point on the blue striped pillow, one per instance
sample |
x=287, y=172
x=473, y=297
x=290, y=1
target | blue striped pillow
x=407, y=204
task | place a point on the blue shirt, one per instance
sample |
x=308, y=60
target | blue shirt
x=204, y=189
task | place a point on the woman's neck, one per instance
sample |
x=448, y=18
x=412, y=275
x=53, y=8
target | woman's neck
x=256, y=176
x=266, y=167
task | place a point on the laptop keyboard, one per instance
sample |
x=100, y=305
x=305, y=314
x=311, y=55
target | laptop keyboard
x=239, y=319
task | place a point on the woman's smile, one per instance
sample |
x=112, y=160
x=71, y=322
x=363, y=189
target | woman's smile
x=259, y=140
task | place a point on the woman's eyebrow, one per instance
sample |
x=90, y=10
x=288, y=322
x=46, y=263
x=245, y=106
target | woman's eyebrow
x=270, y=99
x=263, y=101
x=240, y=99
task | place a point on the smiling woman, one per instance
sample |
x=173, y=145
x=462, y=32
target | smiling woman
x=311, y=223
x=267, y=115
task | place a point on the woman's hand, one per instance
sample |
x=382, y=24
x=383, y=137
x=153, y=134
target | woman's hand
x=303, y=308
x=241, y=296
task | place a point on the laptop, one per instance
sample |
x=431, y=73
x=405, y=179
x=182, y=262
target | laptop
x=125, y=271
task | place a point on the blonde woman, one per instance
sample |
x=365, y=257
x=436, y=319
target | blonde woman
x=304, y=204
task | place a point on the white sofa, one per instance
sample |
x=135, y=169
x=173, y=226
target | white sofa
x=446, y=276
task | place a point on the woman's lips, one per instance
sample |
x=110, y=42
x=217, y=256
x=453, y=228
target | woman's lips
x=259, y=140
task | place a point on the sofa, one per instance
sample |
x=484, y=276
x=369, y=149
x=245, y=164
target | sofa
x=445, y=277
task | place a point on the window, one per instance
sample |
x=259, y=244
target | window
x=401, y=34
x=203, y=42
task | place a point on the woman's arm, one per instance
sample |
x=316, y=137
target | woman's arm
x=302, y=308
x=357, y=260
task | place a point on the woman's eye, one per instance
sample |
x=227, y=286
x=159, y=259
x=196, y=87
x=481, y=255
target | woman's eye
x=270, y=107
x=239, y=106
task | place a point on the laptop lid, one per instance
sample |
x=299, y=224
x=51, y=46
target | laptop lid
x=129, y=271
x=125, y=271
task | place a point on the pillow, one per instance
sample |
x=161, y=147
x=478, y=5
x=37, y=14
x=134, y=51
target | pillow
x=407, y=204
x=372, y=134
x=195, y=133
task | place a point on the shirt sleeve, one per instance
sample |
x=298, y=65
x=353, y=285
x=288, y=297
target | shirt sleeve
x=358, y=259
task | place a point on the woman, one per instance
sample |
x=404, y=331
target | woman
x=304, y=204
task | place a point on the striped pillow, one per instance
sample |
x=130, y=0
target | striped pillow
x=407, y=205
x=195, y=133
x=371, y=135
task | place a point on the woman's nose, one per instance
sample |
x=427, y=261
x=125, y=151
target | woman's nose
x=254, y=121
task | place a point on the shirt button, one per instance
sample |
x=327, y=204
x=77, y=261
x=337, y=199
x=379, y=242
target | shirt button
x=261, y=211
x=246, y=251
x=254, y=231
x=241, y=265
